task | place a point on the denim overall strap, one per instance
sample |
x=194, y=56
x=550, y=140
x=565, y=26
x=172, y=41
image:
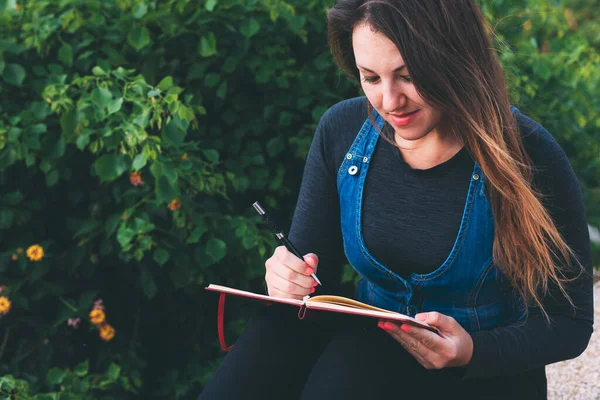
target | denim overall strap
x=350, y=181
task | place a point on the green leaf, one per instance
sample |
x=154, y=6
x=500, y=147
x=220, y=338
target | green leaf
x=82, y=141
x=165, y=190
x=250, y=27
x=139, y=161
x=125, y=235
x=275, y=146
x=211, y=79
x=82, y=368
x=69, y=122
x=216, y=249
x=6, y=218
x=210, y=5
x=169, y=172
x=152, y=93
x=139, y=11
x=14, y=74
x=101, y=97
x=161, y=256
x=208, y=45
x=65, y=54
x=196, y=234
x=109, y=167
x=98, y=71
x=211, y=155
x=114, y=371
x=138, y=37
x=175, y=131
x=52, y=178
x=148, y=284
x=115, y=105
x=222, y=90
x=55, y=376
x=165, y=84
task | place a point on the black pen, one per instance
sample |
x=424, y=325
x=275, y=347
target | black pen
x=279, y=233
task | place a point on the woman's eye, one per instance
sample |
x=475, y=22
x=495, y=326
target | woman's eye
x=405, y=78
x=370, y=79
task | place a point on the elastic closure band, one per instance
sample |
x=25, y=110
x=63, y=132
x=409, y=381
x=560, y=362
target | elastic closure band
x=220, y=317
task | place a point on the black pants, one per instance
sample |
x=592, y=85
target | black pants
x=280, y=357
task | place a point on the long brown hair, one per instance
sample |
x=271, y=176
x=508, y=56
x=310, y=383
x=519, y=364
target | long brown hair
x=448, y=52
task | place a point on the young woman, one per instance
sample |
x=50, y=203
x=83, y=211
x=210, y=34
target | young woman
x=451, y=204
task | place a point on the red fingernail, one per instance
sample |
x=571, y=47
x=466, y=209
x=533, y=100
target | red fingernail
x=315, y=284
x=309, y=271
x=405, y=328
x=385, y=325
x=312, y=290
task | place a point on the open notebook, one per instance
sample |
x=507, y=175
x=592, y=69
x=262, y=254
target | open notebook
x=336, y=304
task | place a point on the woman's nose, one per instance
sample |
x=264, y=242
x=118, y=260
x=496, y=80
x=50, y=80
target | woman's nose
x=393, y=98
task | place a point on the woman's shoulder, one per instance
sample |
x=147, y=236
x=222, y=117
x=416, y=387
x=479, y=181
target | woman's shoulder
x=338, y=127
x=552, y=169
x=345, y=114
x=539, y=144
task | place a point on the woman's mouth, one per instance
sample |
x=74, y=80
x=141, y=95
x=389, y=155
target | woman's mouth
x=404, y=119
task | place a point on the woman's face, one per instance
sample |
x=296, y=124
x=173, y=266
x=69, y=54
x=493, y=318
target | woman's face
x=387, y=84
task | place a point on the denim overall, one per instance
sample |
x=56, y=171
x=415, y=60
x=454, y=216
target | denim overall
x=466, y=286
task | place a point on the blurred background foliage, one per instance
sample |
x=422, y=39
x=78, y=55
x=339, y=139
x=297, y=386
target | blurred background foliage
x=136, y=134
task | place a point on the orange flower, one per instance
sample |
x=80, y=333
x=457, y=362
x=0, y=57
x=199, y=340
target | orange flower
x=527, y=25
x=14, y=257
x=136, y=178
x=35, y=252
x=174, y=205
x=107, y=332
x=4, y=305
x=184, y=157
x=19, y=250
x=97, y=316
x=17, y=7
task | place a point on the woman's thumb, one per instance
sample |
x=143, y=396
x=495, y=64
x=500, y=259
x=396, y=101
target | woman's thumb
x=312, y=260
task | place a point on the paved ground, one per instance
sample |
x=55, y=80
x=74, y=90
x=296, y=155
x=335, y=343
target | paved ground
x=579, y=379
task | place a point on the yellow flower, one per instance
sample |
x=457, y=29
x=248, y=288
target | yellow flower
x=4, y=305
x=107, y=332
x=35, y=252
x=97, y=317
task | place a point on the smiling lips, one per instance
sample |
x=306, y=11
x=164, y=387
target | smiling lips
x=404, y=119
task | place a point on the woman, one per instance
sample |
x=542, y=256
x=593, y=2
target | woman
x=470, y=218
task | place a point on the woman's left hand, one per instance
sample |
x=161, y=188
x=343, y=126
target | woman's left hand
x=453, y=347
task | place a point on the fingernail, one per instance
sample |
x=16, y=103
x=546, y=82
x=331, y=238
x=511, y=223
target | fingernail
x=389, y=326
x=309, y=271
x=312, y=290
x=405, y=328
x=385, y=325
x=315, y=284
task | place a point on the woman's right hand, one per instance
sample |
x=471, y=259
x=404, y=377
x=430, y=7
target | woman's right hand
x=288, y=276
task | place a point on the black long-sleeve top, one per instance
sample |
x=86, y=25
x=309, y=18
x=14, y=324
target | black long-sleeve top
x=411, y=219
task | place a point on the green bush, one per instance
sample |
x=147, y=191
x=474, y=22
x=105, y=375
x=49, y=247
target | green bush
x=136, y=134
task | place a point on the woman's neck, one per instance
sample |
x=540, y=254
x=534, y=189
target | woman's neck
x=429, y=151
